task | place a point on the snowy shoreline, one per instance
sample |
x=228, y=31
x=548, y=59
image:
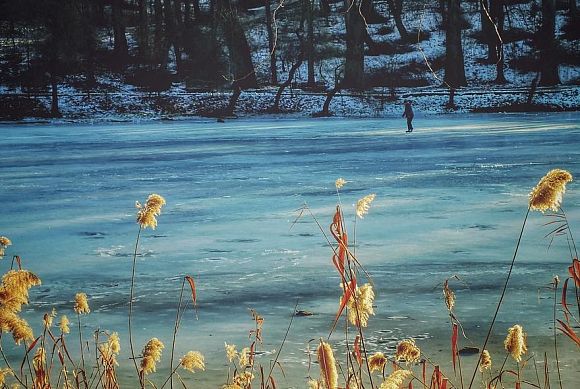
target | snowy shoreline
x=178, y=103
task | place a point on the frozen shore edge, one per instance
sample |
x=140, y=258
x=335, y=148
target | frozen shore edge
x=175, y=104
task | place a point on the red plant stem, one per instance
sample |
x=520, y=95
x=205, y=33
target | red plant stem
x=555, y=341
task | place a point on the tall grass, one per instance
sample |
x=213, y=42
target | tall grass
x=47, y=361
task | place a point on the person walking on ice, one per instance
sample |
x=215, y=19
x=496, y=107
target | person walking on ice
x=409, y=115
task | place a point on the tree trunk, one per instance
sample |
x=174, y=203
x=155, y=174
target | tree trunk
x=160, y=48
x=498, y=16
x=488, y=30
x=355, y=34
x=54, y=111
x=454, y=66
x=171, y=32
x=324, y=7
x=143, y=30
x=396, y=8
x=443, y=13
x=291, y=73
x=197, y=10
x=229, y=111
x=121, y=49
x=310, y=42
x=329, y=96
x=548, y=51
x=271, y=44
x=238, y=47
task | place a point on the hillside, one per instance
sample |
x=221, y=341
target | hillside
x=99, y=83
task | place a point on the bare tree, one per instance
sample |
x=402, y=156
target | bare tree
x=454, y=64
x=396, y=8
x=297, y=63
x=488, y=29
x=548, y=47
x=498, y=16
x=237, y=44
x=143, y=30
x=355, y=37
x=121, y=49
x=310, y=42
x=271, y=43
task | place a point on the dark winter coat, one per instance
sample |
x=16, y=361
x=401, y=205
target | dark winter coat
x=408, y=111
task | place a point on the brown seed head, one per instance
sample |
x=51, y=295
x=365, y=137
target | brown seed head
x=192, y=360
x=63, y=324
x=395, y=379
x=231, y=352
x=14, y=288
x=4, y=372
x=363, y=205
x=360, y=305
x=549, y=191
x=147, y=214
x=407, y=350
x=485, y=361
x=449, y=296
x=515, y=342
x=81, y=304
x=340, y=183
x=377, y=362
x=151, y=355
x=244, y=379
x=11, y=322
x=328, y=374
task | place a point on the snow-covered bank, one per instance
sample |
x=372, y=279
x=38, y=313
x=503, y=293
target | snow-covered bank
x=132, y=104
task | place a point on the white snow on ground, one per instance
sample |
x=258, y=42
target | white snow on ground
x=127, y=102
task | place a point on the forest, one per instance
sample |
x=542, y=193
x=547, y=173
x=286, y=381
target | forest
x=76, y=58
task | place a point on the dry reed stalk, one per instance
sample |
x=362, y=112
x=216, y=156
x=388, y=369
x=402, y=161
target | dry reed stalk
x=515, y=342
x=146, y=217
x=395, y=379
x=4, y=243
x=327, y=363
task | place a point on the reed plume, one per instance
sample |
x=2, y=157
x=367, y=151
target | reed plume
x=449, y=296
x=244, y=379
x=340, y=183
x=4, y=243
x=151, y=355
x=231, y=352
x=49, y=318
x=192, y=360
x=4, y=372
x=377, y=361
x=18, y=327
x=407, y=350
x=64, y=324
x=109, y=352
x=328, y=374
x=14, y=289
x=363, y=205
x=244, y=357
x=549, y=191
x=395, y=379
x=360, y=305
x=515, y=342
x=147, y=214
x=41, y=378
x=314, y=384
x=81, y=304
x=485, y=361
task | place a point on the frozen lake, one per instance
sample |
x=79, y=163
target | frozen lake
x=451, y=198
